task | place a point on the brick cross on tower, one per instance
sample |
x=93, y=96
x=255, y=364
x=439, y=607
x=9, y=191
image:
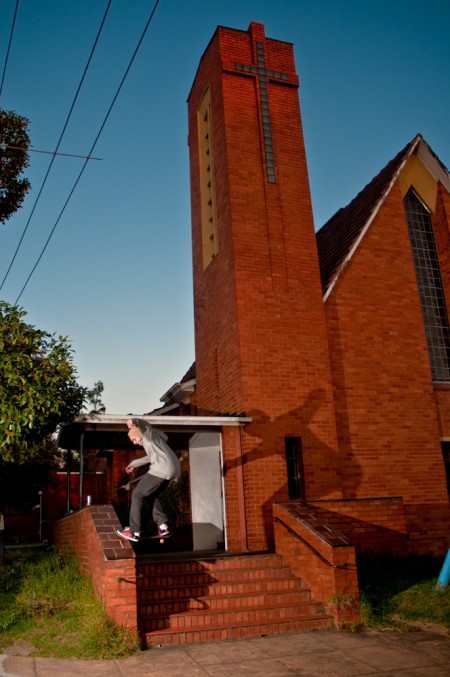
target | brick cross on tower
x=263, y=74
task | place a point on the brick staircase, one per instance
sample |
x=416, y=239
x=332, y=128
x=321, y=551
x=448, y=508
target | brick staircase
x=220, y=598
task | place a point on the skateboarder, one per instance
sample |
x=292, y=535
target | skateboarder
x=164, y=469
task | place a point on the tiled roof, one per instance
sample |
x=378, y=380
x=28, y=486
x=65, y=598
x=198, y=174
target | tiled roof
x=336, y=237
x=181, y=389
x=189, y=375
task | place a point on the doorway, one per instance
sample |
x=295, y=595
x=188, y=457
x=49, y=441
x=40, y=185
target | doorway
x=206, y=489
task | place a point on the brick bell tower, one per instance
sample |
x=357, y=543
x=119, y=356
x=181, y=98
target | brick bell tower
x=260, y=334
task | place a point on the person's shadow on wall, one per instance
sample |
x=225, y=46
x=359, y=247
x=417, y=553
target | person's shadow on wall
x=322, y=465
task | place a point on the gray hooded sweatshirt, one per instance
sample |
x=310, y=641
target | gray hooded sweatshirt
x=163, y=461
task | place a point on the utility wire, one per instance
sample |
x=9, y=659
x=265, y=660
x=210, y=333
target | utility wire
x=55, y=152
x=9, y=46
x=127, y=70
x=46, y=152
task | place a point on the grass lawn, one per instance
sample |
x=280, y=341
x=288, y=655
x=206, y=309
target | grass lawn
x=46, y=603
x=401, y=592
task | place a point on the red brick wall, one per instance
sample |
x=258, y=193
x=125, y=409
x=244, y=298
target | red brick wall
x=234, y=496
x=107, y=559
x=371, y=525
x=321, y=556
x=388, y=427
x=441, y=222
x=442, y=399
x=261, y=344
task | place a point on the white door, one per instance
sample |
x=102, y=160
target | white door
x=205, y=472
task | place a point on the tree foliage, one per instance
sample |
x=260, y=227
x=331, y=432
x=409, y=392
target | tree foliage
x=38, y=386
x=94, y=399
x=14, y=143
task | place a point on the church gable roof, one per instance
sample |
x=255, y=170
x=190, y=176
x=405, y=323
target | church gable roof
x=340, y=236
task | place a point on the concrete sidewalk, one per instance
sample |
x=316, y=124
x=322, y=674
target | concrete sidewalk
x=323, y=653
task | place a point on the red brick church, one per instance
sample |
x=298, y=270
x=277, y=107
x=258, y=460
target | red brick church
x=315, y=422
x=336, y=344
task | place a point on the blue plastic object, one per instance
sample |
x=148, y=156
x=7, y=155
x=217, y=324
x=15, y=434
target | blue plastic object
x=444, y=576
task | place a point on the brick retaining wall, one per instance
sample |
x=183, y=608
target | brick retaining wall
x=109, y=561
x=372, y=524
x=321, y=556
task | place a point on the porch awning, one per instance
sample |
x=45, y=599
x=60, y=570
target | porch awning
x=109, y=431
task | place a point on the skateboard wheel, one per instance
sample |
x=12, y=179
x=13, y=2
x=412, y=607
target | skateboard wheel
x=161, y=540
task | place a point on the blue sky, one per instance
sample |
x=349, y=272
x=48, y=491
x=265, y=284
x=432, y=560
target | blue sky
x=116, y=277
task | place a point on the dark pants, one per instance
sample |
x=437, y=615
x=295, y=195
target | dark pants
x=148, y=485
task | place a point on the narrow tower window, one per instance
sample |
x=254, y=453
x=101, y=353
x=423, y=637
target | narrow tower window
x=207, y=189
x=429, y=281
x=446, y=454
x=294, y=467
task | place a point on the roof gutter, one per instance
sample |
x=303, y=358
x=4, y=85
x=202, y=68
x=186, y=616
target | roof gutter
x=113, y=421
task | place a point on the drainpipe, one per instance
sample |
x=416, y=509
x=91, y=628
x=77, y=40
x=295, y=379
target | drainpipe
x=68, y=460
x=81, y=468
x=240, y=490
x=40, y=516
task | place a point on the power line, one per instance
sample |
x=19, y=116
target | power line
x=127, y=70
x=59, y=143
x=9, y=46
x=47, y=152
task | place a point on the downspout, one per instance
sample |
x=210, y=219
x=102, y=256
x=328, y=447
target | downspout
x=81, y=468
x=40, y=516
x=240, y=490
x=68, y=461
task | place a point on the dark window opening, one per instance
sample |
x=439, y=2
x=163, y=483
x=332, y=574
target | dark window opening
x=294, y=466
x=431, y=290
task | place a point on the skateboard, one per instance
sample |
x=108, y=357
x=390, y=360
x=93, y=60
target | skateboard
x=161, y=538
x=126, y=486
x=153, y=536
x=127, y=482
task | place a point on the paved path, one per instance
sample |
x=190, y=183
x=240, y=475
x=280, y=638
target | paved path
x=322, y=653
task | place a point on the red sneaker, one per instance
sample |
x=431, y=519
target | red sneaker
x=128, y=534
x=164, y=531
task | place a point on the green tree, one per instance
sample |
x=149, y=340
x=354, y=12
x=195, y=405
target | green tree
x=94, y=399
x=14, y=143
x=38, y=386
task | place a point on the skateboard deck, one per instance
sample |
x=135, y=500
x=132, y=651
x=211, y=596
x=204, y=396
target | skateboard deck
x=127, y=482
x=154, y=536
x=147, y=538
